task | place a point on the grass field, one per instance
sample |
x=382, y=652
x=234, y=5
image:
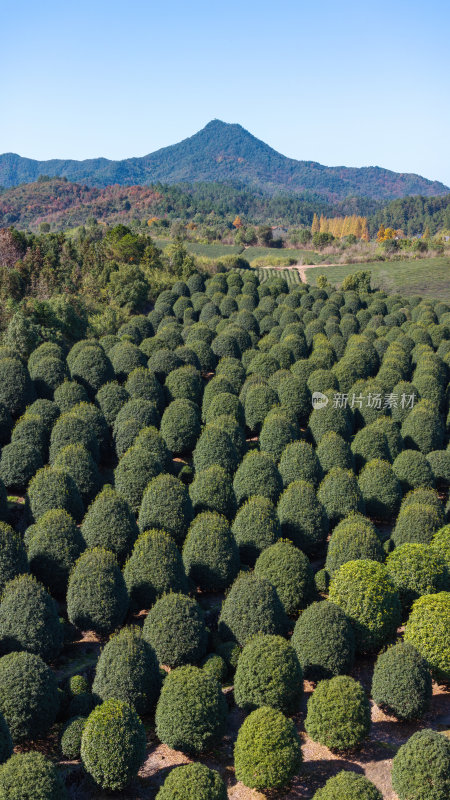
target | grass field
x=307, y=256
x=424, y=276
x=250, y=253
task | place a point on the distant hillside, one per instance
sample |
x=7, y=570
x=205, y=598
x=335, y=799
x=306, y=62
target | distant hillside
x=221, y=152
x=414, y=214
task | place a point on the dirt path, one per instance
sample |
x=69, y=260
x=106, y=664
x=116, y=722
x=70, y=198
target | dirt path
x=301, y=269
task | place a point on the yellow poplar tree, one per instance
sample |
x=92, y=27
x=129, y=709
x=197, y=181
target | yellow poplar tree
x=315, y=227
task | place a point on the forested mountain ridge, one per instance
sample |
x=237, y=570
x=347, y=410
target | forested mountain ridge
x=223, y=152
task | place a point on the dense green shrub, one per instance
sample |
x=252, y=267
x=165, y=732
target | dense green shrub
x=278, y=430
x=53, y=488
x=166, y=505
x=184, y=382
x=162, y=362
x=204, y=353
x=299, y=462
x=268, y=674
x=392, y=432
x=334, y=451
x=380, y=488
x=225, y=403
x=6, y=744
x=97, y=598
x=423, y=428
x=421, y=767
x=267, y=752
x=70, y=428
x=255, y=527
x=191, y=711
x=354, y=538
x=338, y=713
x=29, y=619
x=440, y=544
x=154, y=568
x=439, y=461
x=31, y=429
x=416, y=522
x=6, y=424
x=340, y=494
x=18, y=463
x=326, y=419
x=289, y=571
x=68, y=395
x=214, y=446
x=111, y=397
x=28, y=695
x=92, y=368
x=251, y=606
x=144, y=412
x=210, y=552
x=402, y=682
x=109, y=523
x=31, y=776
x=77, y=461
x=257, y=474
x=295, y=397
x=175, y=628
x=47, y=374
x=71, y=737
x=215, y=666
x=180, y=425
x=16, y=388
x=428, y=630
x=125, y=357
x=141, y=383
x=348, y=786
x=365, y=592
x=4, y=510
x=413, y=470
x=193, y=782
x=415, y=569
x=233, y=370
x=113, y=744
x=128, y=670
x=146, y=459
x=302, y=516
x=369, y=443
x=212, y=490
x=259, y=399
x=13, y=556
x=424, y=496
x=324, y=641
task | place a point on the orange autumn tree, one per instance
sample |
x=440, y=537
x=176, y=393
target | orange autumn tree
x=237, y=222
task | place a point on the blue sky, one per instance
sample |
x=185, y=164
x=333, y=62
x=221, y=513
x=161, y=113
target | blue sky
x=345, y=82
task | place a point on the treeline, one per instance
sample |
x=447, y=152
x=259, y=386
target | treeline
x=413, y=215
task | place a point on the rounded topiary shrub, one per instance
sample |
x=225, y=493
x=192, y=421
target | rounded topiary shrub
x=70, y=428
x=166, y=505
x=71, y=737
x=365, y=592
x=77, y=462
x=369, y=443
x=401, y=682
x=215, y=666
x=68, y=395
x=381, y=489
x=268, y=674
x=215, y=447
x=302, y=516
x=423, y=428
x=338, y=713
x=324, y=641
x=251, y=606
x=175, y=628
x=180, y=425
x=225, y=403
x=278, y=430
x=137, y=467
x=415, y=569
x=348, y=786
x=128, y=670
x=294, y=395
x=193, y=782
x=334, y=451
x=13, y=556
x=143, y=383
x=421, y=767
x=327, y=419
x=16, y=388
x=299, y=462
x=184, y=382
x=428, y=630
x=413, y=470
x=255, y=527
x=29, y=619
x=18, y=463
x=354, y=538
x=267, y=752
x=54, y=544
x=210, y=552
x=31, y=429
x=111, y=398
x=97, y=597
x=440, y=544
x=154, y=568
x=191, y=711
x=113, y=744
x=417, y=522
x=257, y=474
x=126, y=357
x=53, y=488
x=340, y=494
x=47, y=374
x=109, y=523
x=28, y=695
x=212, y=490
x=31, y=775
x=92, y=368
x=289, y=571
x=259, y=400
